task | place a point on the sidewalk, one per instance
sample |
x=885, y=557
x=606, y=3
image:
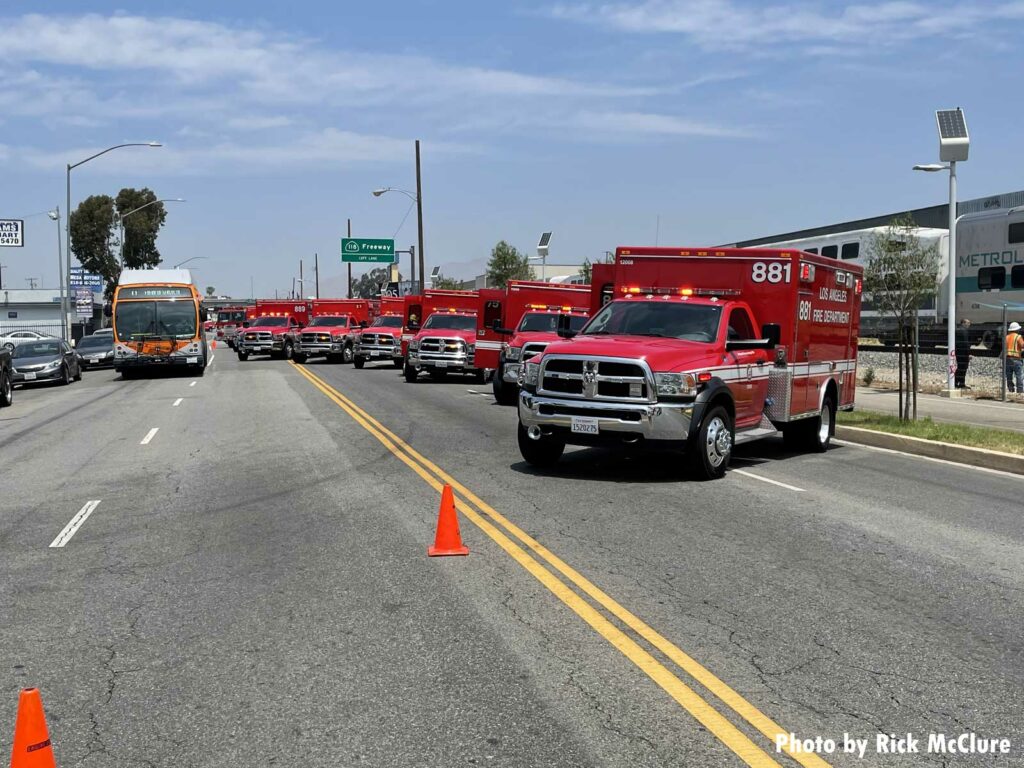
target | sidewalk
x=977, y=413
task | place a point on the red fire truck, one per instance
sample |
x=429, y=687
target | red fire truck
x=274, y=329
x=446, y=341
x=381, y=340
x=333, y=330
x=229, y=321
x=702, y=350
x=530, y=315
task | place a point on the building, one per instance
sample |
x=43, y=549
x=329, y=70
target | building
x=39, y=309
x=549, y=273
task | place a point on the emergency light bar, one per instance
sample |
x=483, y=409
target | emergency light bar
x=556, y=308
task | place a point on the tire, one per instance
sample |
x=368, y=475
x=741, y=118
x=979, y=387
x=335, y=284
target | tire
x=6, y=390
x=821, y=428
x=65, y=375
x=399, y=363
x=243, y=356
x=543, y=453
x=78, y=373
x=712, y=447
x=411, y=374
x=505, y=394
x=299, y=358
x=347, y=354
x=358, y=362
x=201, y=369
x=480, y=376
x=288, y=352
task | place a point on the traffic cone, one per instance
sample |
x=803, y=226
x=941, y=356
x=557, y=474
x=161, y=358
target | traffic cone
x=32, y=748
x=213, y=344
x=447, y=540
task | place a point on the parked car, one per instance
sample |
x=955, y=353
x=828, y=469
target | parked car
x=96, y=350
x=6, y=378
x=11, y=339
x=45, y=360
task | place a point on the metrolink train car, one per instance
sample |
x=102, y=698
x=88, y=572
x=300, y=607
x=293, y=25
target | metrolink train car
x=989, y=274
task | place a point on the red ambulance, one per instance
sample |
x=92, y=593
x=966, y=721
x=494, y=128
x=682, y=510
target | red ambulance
x=381, y=340
x=274, y=328
x=333, y=330
x=699, y=349
x=444, y=324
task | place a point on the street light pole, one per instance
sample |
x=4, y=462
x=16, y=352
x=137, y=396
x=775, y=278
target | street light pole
x=55, y=217
x=65, y=305
x=419, y=211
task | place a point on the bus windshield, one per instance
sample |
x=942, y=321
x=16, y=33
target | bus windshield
x=673, y=320
x=135, y=320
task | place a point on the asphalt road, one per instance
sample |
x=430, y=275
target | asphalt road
x=253, y=588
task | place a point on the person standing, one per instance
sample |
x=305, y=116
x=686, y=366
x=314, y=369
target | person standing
x=1014, y=351
x=963, y=353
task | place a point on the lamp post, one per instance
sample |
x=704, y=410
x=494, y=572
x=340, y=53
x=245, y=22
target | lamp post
x=65, y=305
x=186, y=261
x=417, y=198
x=136, y=210
x=954, y=144
x=55, y=217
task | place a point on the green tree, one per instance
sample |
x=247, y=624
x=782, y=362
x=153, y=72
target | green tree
x=586, y=268
x=446, y=283
x=141, y=228
x=900, y=274
x=210, y=290
x=507, y=263
x=92, y=229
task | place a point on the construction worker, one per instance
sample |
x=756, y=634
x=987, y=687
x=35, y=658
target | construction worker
x=1014, y=352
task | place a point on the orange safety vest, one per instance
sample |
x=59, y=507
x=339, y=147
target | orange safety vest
x=1014, y=344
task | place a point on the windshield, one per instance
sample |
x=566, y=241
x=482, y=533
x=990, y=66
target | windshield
x=36, y=349
x=389, y=321
x=452, y=322
x=95, y=342
x=320, y=322
x=546, y=322
x=674, y=320
x=271, y=322
x=168, y=319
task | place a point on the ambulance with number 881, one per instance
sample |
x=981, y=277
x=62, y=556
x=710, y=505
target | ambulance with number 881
x=699, y=350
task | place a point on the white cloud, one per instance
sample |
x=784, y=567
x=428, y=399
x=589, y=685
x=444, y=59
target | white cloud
x=650, y=124
x=729, y=24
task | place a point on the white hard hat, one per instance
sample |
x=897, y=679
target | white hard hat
x=1014, y=326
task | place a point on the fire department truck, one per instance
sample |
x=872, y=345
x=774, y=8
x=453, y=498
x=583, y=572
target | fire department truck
x=381, y=340
x=446, y=341
x=701, y=350
x=333, y=330
x=530, y=315
x=228, y=323
x=274, y=330
x=412, y=311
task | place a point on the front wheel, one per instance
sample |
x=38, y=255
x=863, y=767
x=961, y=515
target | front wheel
x=504, y=393
x=358, y=362
x=288, y=351
x=411, y=374
x=6, y=390
x=243, y=356
x=541, y=453
x=712, y=448
x=78, y=373
x=399, y=363
x=347, y=354
x=299, y=358
x=65, y=376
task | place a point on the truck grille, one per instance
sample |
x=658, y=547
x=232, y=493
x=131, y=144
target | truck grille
x=383, y=339
x=259, y=336
x=312, y=338
x=596, y=379
x=442, y=347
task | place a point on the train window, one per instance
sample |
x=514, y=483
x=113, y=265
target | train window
x=991, y=278
x=851, y=250
x=810, y=250
x=1016, y=233
x=830, y=251
x=1017, y=276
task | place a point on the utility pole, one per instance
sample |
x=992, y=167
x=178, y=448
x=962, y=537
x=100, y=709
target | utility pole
x=316, y=273
x=2, y=268
x=31, y=282
x=350, y=263
x=302, y=283
x=412, y=266
x=419, y=210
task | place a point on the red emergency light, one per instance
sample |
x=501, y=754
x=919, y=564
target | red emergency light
x=859, y=286
x=806, y=273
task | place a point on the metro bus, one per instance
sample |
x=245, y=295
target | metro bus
x=156, y=314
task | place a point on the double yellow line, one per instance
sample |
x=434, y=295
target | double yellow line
x=534, y=557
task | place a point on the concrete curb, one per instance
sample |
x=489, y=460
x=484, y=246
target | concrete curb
x=961, y=454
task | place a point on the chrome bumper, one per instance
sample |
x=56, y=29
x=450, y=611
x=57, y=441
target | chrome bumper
x=381, y=351
x=657, y=421
x=274, y=345
x=313, y=348
x=449, y=362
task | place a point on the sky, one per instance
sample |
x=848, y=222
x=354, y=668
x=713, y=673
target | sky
x=681, y=122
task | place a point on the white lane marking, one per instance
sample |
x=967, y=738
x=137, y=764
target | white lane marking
x=476, y=392
x=767, y=480
x=149, y=436
x=178, y=402
x=967, y=403
x=192, y=384
x=212, y=358
x=968, y=467
x=76, y=522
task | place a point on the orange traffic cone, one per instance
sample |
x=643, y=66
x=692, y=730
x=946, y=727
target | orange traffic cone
x=213, y=344
x=32, y=748
x=447, y=540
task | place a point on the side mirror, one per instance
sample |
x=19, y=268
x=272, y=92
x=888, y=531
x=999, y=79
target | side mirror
x=245, y=323
x=772, y=332
x=496, y=327
x=564, y=329
x=362, y=323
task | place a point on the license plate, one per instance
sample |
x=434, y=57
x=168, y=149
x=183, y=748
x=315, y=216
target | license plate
x=191, y=360
x=584, y=426
x=441, y=364
x=375, y=354
x=257, y=349
x=30, y=377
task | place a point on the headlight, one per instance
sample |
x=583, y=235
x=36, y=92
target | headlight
x=470, y=348
x=414, y=345
x=54, y=365
x=513, y=353
x=337, y=338
x=529, y=374
x=675, y=384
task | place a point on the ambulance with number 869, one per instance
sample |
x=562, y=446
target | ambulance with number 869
x=699, y=350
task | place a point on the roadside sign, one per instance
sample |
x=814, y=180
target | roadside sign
x=12, y=233
x=83, y=302
x=363, y=250
x=389, y=289
x=82, y=279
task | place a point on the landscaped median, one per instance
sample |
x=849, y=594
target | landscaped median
x=977, y=446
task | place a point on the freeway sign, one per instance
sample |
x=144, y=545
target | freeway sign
x=362, y=250
x=12, y=233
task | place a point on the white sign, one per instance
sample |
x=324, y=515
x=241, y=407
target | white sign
x=83, y=302
x=12, y=233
